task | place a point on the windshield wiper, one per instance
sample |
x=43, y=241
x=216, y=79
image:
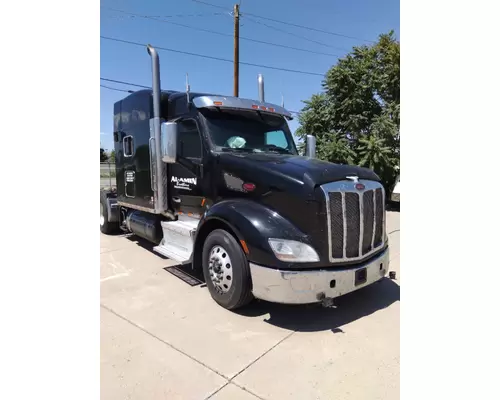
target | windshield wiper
x=277, y=149
x=240, y=149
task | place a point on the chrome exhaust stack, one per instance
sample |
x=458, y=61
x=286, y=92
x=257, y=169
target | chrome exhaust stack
x=155, y=64
x=260, y=79
x=157, y=168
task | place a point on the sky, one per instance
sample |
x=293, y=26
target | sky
x=363, y=19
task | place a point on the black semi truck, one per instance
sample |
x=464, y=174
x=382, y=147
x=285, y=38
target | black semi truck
x=217, y=182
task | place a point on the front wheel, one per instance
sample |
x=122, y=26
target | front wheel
x=226, y=270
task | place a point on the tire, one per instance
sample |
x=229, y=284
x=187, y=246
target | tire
x=106, y=226
x=221, y=246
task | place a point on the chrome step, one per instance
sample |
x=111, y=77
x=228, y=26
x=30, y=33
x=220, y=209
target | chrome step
x=177, y=242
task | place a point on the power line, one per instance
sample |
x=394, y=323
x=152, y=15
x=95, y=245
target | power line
x=290, y=33
x=280, y=30
x=210, y=4
x=215, y=58
x=310, y=28
x=292, y=24
x=181, y=15
x=288, y=47
x=124, y=83
x=230, y=35
x=118, y=90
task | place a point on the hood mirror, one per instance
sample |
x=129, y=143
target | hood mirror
x=310, y=146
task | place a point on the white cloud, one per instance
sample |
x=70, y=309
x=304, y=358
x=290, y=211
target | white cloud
x=103, y=133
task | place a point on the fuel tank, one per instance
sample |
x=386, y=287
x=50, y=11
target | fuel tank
x=145, y=225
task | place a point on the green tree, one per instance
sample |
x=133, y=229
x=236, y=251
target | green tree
x=104, y=156
x=112, y=156
x=356, y=118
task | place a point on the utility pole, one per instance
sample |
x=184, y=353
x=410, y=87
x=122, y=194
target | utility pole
x=236, y=49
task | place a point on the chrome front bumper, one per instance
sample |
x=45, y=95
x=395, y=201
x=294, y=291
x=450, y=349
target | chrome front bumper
x=303, y=287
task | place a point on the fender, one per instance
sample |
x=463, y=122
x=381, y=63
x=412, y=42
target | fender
x=255, y=224
x=111, y=205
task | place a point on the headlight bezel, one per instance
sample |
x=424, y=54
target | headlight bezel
x=293, y=251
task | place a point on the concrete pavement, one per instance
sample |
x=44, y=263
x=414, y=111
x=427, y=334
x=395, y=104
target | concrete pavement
x=163, y=339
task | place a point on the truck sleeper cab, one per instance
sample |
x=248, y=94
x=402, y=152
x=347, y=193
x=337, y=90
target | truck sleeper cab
x=216, y=182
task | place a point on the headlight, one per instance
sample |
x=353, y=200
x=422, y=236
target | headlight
x=292, y=251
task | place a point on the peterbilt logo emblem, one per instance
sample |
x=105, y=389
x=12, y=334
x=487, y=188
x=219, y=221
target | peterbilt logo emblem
x=357, y=185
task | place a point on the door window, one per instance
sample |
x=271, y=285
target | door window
x=189, y=140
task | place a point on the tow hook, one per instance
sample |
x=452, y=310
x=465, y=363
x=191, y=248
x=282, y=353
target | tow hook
x=326, y=302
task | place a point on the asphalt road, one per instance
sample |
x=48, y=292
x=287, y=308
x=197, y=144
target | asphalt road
x=164, y=339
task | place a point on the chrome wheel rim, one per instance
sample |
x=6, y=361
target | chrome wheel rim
x=102, y=215
x=220, y=269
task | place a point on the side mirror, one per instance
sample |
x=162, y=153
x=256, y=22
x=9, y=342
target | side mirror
x=310, y=146
x=169, y=133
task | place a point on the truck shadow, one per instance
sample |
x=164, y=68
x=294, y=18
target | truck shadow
x=314, y=317
x=311, y=317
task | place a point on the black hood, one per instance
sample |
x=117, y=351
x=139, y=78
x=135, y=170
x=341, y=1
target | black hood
x=303, y=170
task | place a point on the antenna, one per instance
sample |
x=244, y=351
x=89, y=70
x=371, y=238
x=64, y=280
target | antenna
x=282, y=101
x=188, y=88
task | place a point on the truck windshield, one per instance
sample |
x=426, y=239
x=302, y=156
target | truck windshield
x=248, y=131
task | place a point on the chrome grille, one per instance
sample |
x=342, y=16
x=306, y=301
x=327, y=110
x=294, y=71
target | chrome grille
x=356, y=219
x=352, y=232
x=336, y=224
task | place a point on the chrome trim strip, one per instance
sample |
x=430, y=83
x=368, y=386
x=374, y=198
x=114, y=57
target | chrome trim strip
x=238, y=103
x=382, y=239
x=151, y=164
x=349, y=186
x=374, y=218
x=361, y=223
x=344, y=225
x=135, y=207
x=329, y=225
x=159, y=189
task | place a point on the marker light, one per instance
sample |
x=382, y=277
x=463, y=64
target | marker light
x=249, y=187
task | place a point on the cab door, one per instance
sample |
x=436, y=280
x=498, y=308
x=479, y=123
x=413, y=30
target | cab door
x=187, y=184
